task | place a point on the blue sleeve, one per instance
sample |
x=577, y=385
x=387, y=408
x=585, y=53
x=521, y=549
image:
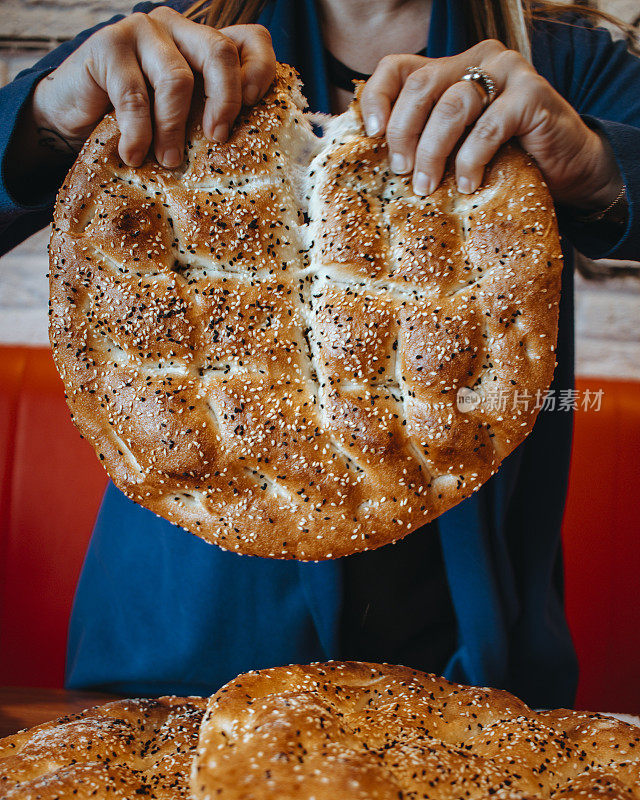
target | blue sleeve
x=601, y=80
x=17, y=220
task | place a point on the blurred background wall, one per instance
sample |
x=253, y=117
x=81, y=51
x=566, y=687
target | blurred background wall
x=607, y=303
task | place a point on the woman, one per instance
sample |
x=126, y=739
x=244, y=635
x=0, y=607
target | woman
x=476, y=595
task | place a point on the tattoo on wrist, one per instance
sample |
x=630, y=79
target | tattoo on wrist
x=57, y=143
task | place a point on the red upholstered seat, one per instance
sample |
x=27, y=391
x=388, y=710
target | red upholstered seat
x=51, y=484
x=602, y=548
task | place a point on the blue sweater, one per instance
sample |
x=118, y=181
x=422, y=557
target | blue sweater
x=158, y=610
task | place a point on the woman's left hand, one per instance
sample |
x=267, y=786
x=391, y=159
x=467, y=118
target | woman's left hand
x=426, y=109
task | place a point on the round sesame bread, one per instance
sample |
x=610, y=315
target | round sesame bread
x=359, y=731
x=270, y=345
x=122, y=750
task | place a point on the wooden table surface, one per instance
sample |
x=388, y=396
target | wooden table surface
x=26, y=707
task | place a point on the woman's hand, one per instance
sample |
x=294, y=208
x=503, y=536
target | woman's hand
x=425, y=110
x=143, y=67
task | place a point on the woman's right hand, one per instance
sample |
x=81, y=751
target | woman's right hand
x=143, y=66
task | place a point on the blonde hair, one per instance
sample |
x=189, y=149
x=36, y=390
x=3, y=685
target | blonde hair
x=506, y=20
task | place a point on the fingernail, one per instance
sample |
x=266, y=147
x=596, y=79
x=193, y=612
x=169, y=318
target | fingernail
x=399, y=163
x=423, y=183
x=465, y=185
x=373, y=125
x=171, y=158
x=221, y=132
x=133, y=159
x=250, y=94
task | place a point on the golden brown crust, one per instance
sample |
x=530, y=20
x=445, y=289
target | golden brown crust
x=122, y=750
x=359, y=731
x=287, y=386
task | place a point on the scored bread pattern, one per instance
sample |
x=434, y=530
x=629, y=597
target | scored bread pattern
x=121, y=750
x=358, y=731
x=265, y=345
